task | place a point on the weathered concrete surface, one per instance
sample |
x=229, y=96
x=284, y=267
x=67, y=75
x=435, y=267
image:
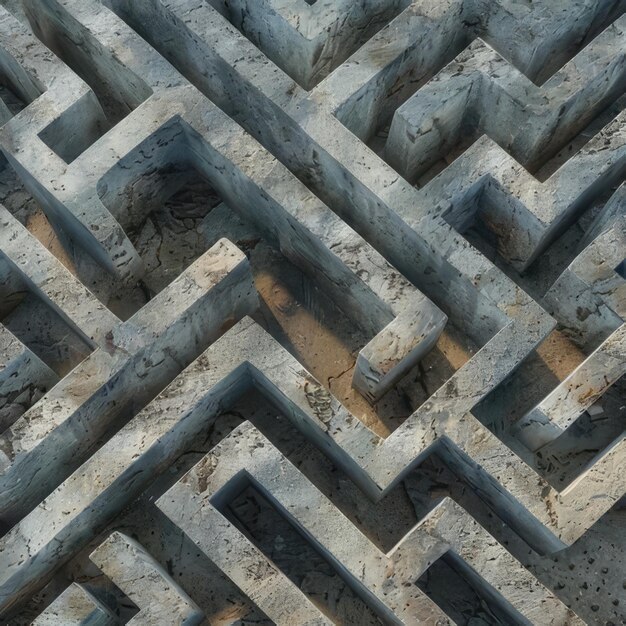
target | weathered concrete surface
x=419, y=205
x=146, y=583
x=386, y=580
x=76, y=606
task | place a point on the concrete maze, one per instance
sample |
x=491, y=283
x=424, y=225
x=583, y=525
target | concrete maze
x=312, y=312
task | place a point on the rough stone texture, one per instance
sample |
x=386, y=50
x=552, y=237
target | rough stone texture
x=76, y=606
x=312, y=312
x=145, y=582
x=386, y=580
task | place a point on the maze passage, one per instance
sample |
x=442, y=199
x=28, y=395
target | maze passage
x=312, y=312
